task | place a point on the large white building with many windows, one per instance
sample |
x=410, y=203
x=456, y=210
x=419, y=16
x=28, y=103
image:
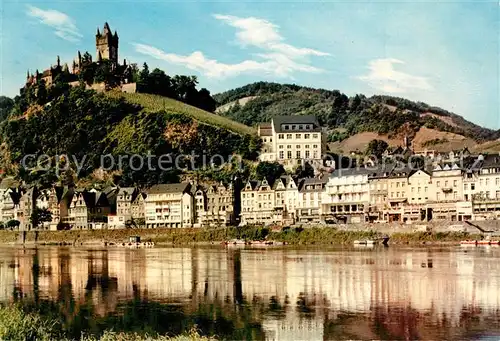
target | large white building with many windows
x=292, y=140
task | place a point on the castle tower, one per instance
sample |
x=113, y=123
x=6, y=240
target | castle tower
x=107, y=44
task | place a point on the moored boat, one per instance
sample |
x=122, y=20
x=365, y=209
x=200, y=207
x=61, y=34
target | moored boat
x=468, y=242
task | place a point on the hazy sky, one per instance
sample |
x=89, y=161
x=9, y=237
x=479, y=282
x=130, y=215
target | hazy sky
x=444, y=53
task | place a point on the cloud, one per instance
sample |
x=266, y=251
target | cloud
x=63, y=25
x=264, y=34
x=383, y=76
x=278, y=58
x=271, y=64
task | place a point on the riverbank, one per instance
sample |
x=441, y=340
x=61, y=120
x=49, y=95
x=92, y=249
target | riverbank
x=292, y=236
x=18, y=324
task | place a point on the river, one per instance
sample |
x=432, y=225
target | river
x=264, y=293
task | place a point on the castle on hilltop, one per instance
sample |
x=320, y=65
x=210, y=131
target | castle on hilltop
x=106, y=50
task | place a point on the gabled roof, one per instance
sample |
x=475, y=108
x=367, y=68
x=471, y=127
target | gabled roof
x=305, y=183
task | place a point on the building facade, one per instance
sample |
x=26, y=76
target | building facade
x=292, y=140
x=169, y=205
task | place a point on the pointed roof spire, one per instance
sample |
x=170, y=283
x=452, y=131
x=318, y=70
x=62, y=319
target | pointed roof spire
x=124, y=62
x=28, y=74
x=58, y=61
x=98, y=32
x=106, y=28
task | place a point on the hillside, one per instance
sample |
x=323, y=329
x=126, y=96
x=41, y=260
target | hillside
x=385, y=117
x=90, y=127
x=155, y=103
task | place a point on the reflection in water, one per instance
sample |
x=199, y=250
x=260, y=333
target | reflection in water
x=271, y=293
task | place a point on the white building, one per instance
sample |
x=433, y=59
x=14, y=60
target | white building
x=310, y=196
x=124, y=199
x=346, y=195
x=291, y=140
x=169, y=205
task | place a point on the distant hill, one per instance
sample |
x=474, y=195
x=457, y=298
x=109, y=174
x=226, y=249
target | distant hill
x=387, y=117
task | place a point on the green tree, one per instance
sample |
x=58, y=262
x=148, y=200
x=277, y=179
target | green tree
x=269, y=170
x=12, y=224
x=376, y=147
x=6, y=105
x=305, y=172
x=40, y=216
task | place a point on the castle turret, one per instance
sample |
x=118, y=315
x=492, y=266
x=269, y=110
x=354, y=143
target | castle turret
x=107, y=45
x=58, y=61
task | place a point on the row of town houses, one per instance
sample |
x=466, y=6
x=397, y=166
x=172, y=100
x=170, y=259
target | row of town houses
x=390, y=193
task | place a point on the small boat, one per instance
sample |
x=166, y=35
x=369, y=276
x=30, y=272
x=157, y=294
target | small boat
x=468, y=242
x=370, y=242
x=364, y=242
x=235, y=242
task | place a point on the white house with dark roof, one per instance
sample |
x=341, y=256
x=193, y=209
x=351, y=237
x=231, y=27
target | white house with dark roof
x=292, y=140
x=169, y=205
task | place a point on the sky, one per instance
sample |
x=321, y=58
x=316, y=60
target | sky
x=444, y=53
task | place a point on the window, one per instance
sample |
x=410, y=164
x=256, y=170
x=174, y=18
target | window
x=307, y=154
x=281, y=136
x=289, y=154
x=289, y=146
x=315, y=146
x=282, y=154
x=315, y=136
x=301, y=127
x=298, y=146
x=308, y=126
x=298, y=136
x=455, y=183
x=397, y=184
x=438, y=196
x=307, y=146
x=293, y=127
x=413, y=189
x=307, y=136
x=280, y=146
x=480, y=182
x=466, y=187
x=472, y=186
x=425, y=189
x=487, y=194
x=455, y=195
x=288, y=136
x=418, y=190
x=315, y=154
x=446, y=184
x=298, y=154
x=286, y=127
x=487, y=182
x=497, y=181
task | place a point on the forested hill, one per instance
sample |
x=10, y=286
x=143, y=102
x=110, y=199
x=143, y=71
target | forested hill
x=344, y=116
x=71, y=129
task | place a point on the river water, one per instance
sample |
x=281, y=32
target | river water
x=269, y=293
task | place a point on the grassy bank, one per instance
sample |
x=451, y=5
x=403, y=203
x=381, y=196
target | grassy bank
x=17, y=324
x=294, y=236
